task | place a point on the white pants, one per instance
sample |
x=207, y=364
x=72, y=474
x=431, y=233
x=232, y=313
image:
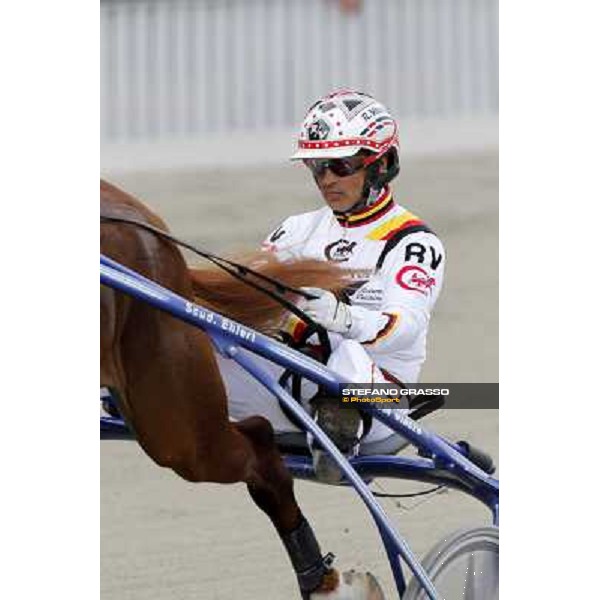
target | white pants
x=247, y=397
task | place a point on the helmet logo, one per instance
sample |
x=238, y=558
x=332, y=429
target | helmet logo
x=372, y=112
x=318, y=130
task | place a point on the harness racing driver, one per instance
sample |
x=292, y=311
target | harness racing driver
x=349, y=142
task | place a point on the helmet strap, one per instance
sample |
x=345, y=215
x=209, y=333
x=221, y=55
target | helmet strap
x=373, y=184
x=376, y=180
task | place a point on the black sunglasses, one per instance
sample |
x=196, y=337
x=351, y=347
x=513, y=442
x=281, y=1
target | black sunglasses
x=342, y=167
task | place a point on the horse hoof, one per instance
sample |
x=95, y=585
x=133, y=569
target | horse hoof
x=353, y=586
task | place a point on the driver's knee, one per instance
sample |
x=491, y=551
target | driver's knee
x=352, y=361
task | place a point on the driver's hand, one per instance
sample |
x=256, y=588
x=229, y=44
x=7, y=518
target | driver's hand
x=327, y=310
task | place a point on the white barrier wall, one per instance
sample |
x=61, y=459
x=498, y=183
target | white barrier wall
x=181, y=69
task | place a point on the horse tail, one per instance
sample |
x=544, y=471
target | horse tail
x=239, y=301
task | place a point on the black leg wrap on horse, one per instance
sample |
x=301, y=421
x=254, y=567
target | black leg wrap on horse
x=304, y=552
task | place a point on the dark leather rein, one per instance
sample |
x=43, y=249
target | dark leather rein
x=242, y=273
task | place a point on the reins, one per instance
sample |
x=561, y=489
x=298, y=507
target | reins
x=240, y=272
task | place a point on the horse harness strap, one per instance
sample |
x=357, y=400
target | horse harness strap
x=221, y=262
x=240, y=272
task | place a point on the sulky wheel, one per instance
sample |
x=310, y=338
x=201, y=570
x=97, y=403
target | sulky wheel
x=464, y=566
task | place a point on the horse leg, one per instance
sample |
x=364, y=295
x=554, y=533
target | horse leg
x=189, y=432
x=271, y=487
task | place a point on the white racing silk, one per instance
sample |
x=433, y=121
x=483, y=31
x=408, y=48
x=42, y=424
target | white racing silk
x=399, y=268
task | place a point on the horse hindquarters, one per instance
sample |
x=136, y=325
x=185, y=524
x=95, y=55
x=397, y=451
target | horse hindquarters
x=180, y=418
x=177, y=398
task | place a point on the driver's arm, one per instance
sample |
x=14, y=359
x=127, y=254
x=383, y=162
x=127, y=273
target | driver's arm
x=412, y=276
x=412, y=279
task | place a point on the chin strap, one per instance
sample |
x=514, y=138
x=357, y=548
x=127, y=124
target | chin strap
x=370, y=196
x=373, y=195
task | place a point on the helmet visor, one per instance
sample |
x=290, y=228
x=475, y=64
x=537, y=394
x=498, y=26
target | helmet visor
x=340, y=152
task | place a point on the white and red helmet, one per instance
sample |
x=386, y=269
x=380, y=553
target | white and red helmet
x=344, y=122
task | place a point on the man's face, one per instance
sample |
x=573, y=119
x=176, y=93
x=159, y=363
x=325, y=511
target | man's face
x=341, y=193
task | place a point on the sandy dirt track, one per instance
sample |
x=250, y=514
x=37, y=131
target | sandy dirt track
x=164, y=538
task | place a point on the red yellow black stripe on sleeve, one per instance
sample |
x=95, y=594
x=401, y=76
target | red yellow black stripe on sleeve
x=295, y=328
x=386, y=330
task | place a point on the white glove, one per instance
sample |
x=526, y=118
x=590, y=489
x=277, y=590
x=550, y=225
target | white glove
x=328, y=311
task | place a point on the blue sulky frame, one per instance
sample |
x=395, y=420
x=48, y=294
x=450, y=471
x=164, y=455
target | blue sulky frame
x=447, y=463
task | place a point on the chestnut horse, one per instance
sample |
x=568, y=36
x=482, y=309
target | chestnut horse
x=165, y=379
